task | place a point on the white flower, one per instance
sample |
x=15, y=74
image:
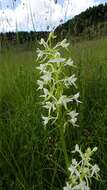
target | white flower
x=74, y=162
x=73, y=121
x=77, y=149
x=42, y=42
x=95, y=170
x=42, y=68
x=57, y=60
x=67, y=187
x=63, y=44
x=49, y=106
x=40, y=53
x=64, y=100
x=45, y=120
x=70, y=81
x=69, y=62
x=46, y=93
x=81, y=186
x=73, y=114
x=74, y=171
x=95, y=149
x=47, y=77
x=82, y=171
x=40, y=84
x=75, y=97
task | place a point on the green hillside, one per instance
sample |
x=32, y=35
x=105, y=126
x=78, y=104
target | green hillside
x=91, y=23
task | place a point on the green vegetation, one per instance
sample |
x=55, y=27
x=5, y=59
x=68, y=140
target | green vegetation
x=28, y=156
x=89, y=24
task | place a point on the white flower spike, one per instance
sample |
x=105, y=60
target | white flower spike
x=81, y=171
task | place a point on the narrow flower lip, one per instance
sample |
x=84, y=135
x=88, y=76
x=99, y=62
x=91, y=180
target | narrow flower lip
x=57, y=60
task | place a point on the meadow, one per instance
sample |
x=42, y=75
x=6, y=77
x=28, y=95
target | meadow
x=30, y=158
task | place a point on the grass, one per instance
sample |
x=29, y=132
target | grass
x=31, y=158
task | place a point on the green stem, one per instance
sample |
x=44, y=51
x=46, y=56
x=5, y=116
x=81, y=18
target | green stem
x=62, y=137
x=59, y=92
x=64, y=146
